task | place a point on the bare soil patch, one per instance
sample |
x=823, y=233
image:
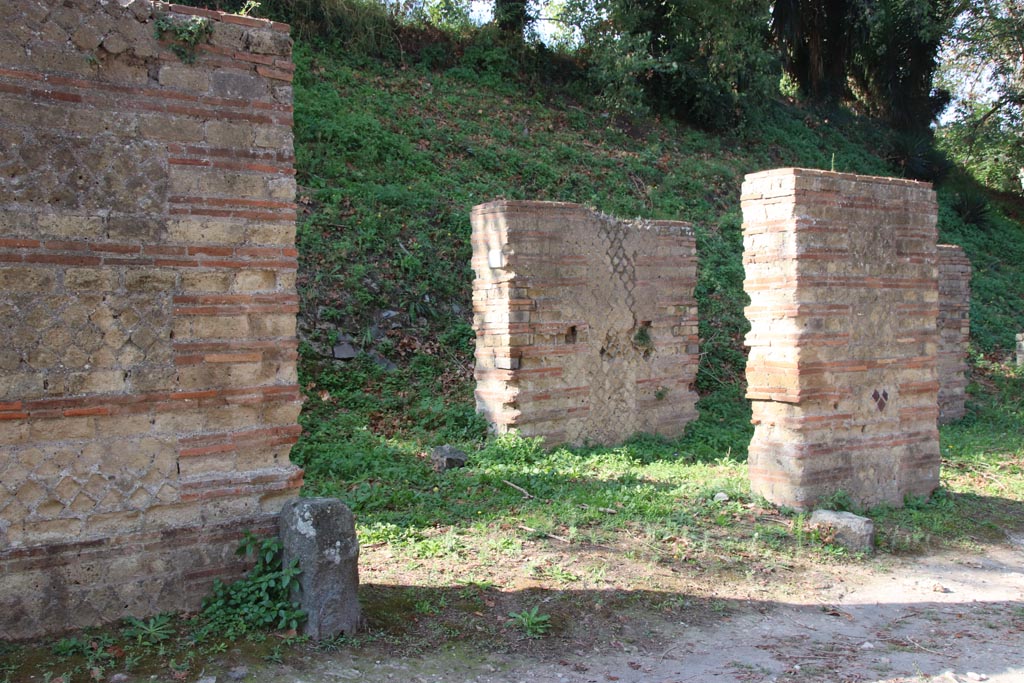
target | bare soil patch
x=955, y=616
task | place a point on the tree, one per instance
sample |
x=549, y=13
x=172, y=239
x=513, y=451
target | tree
x=983, y=65
x=881, y=54
x=817, y=40
x=701, y=60
x=894, y=71
x=512, y=17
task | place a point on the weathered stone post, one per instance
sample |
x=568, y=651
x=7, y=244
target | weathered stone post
x=842, y=276
x=321, y=534
x=1020, y=348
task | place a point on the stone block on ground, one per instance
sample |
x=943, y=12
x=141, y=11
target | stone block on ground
x=447, y=458
x=344, y=351
x=321, y=533
x=853, y=532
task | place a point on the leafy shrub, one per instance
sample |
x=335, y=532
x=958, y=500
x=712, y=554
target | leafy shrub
x=973, y=208
x=915, y=155
x=261, y=600
x=185, y=34
x=703, y=61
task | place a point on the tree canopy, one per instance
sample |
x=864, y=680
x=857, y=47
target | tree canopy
x=882, y=54
x=983, y=65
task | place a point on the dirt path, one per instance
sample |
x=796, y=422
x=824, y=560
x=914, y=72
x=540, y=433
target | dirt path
x=946, y=618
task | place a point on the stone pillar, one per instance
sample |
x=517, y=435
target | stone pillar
x=320, y=533
x=1020, y=348
x=586, y=326
x=954, y=331
x=842, y=277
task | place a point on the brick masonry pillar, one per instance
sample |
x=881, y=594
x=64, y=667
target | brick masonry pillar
x=148, y=390
x=586, y=326
x=954, y=331
x=842, y=276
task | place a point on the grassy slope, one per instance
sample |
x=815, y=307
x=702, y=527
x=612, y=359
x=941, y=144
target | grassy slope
x=392, y=156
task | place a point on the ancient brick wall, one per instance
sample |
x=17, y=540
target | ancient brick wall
x=842, y=276
x=954, y=331
x=148, y=396
x=586, y=326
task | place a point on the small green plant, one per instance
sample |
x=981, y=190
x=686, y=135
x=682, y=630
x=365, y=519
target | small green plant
x=642, y=338
x=839, y=500
x=69, y=647
x=151, y=632
x=131, y=660
x=186, y=34
x=532, y=623
x=276, y=655
x=973, y=208
x=261, y=600
x=182, y=667
x=555, y=572
x=426, y=607
x=248, y=8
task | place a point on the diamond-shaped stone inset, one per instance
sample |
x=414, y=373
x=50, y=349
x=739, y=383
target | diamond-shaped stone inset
x=880, y=399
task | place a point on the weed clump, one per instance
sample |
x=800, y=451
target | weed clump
x=261, y=600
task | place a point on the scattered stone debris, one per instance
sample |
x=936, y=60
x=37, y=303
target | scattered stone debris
x=344, y=351
x=383, y=362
